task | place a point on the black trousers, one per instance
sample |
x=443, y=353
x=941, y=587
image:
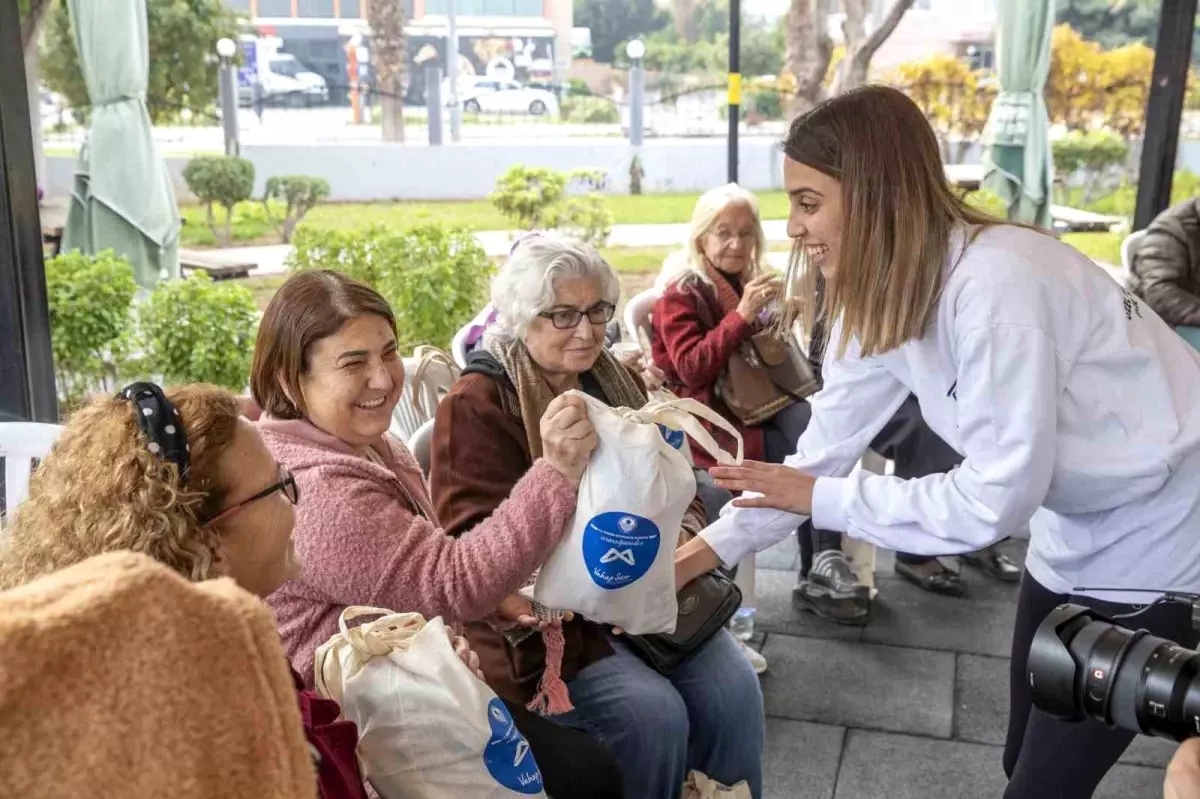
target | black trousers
x=1046, y=758
x=574, y=765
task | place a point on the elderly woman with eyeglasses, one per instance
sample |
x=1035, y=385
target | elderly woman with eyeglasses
x=553, y=298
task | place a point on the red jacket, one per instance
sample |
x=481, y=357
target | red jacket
x=692, y=352
x=334, y=741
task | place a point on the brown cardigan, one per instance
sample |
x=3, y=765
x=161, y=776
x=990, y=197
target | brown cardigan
x=479, y=453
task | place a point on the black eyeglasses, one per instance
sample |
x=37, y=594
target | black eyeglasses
x=286, y=485
x=568, y=318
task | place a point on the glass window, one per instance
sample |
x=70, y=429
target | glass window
x=274, y=8
x=314, y=8
x=352, y=9
x=286, y=67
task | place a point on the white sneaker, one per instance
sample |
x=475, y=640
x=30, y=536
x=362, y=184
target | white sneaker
x=756, y=659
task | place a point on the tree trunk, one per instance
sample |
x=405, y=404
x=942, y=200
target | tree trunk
x=33, y=89
x=685, y=20
x=860, y=48
x=388, y=57
x=31, y=27
x=808, y=51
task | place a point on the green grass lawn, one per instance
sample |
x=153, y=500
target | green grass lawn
x=1097, y=246
x=251, y=225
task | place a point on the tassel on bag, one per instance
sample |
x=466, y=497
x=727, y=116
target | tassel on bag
x=552, y=698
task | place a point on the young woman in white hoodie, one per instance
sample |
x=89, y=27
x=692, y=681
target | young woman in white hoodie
x=1070, y=400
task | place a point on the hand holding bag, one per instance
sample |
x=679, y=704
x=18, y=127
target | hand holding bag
x=707, y=603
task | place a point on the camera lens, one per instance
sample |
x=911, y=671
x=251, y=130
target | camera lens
x=1082, y=665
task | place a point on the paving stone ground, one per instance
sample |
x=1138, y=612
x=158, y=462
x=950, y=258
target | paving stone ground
x=914, y=705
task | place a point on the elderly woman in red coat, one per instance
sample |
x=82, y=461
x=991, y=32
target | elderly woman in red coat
x=715, y=296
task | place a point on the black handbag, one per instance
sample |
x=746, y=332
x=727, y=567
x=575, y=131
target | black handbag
x=706, y=604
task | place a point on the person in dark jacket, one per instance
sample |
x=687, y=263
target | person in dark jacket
x=1165, y=268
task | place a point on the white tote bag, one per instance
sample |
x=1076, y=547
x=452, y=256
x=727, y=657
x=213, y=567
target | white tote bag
x=428, y=728
x=616, y=565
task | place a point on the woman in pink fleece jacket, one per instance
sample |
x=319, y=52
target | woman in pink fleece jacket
x=327, y=375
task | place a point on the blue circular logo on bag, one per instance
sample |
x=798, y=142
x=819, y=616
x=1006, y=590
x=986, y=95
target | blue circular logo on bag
x=619, y=548
x=507, y=755
x=672, y=437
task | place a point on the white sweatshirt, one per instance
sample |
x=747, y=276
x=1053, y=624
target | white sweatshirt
x=1071, y=402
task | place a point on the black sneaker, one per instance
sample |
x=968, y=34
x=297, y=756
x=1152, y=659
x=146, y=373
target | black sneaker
x=850, y=611
x=832, y=571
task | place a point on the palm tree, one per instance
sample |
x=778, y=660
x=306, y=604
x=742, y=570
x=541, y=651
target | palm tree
x=388, y=54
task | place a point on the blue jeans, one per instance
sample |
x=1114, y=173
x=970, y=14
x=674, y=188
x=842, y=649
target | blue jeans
x=707, y=715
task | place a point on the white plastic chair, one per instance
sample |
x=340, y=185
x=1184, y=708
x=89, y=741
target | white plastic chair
x=1126, y=247
x=429, y=374
x=420, y=444
x=458, y=346
x=22, y=443
x=637, y=314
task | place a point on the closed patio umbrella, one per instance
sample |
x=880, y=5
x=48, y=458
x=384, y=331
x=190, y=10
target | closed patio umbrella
x=122, y=198
x=1017, y=157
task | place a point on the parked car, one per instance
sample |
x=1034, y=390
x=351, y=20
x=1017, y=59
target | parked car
x=493, y=96
x=286, y=80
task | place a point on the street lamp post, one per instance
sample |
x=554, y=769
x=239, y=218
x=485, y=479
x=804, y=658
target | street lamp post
x=637, y=90
x=452, y=71
x=735, y=84
x=227, y=92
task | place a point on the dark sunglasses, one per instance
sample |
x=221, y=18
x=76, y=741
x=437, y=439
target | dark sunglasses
x=568, y=318
x=286, y=485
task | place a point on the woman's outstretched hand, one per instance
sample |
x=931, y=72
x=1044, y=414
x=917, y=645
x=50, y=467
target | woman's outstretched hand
x=781, y=487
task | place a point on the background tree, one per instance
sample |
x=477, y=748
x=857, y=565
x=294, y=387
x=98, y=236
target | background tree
x=388, y=51
x=615, y=21
x=1071, y=96
x=954, y=98
x=1089, y=86
x=861, y=47
x=809, y=49
x=32, y=14
x=183, y=38
x=1111, y=23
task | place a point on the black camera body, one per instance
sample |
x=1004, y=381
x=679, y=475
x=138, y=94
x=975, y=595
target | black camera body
x=1083, y=664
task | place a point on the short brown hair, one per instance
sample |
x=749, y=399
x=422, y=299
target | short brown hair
x=898, y=212
x=306, y=309
x=103, y=490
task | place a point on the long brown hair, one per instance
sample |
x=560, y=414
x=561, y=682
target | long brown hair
x=102, y=490
x=898, y=213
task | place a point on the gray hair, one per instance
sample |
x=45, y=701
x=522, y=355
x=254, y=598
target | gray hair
x=527, y=283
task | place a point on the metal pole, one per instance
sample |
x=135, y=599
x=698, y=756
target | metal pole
x=433, y=98
x=227, y=88
x=452, y=72
x=637, y=102
x=735, y=84
x=27, y=390
x=1164, y=109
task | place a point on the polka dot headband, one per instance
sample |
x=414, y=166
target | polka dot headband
x=160, y=424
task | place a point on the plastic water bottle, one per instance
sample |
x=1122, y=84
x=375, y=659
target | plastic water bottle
x=742, y=624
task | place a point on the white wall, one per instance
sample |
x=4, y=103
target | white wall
x=469, y=171
x=374, y=171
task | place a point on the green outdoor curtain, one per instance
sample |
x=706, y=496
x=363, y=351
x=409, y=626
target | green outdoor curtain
x=1016, y=154
x=122, y=198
